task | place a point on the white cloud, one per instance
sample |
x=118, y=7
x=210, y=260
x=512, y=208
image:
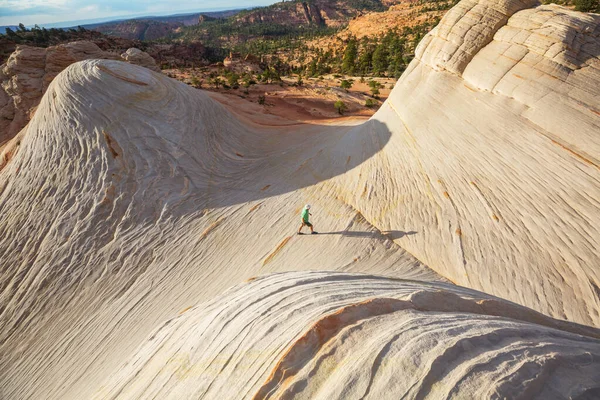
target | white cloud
x=30, y=12
x=90, y=9
x=32, y=4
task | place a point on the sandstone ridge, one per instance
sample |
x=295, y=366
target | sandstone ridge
x=26, y=75
x=130, y=199
x=317, y=335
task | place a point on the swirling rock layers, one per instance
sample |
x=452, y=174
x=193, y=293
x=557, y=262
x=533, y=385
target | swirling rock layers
x=25, y=77
x=315, y=335
x=131, y=197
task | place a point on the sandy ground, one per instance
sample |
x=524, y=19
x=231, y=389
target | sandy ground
x=313, y=101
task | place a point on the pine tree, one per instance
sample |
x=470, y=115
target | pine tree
x=587, y=5
x=349, y=59
x=380, y=60
x=312, y=68
x=365, y=61
x=12, y=35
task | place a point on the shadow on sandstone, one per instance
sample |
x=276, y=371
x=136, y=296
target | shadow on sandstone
x=393, y=235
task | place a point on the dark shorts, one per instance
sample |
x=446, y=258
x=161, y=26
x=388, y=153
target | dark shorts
x=306, y=223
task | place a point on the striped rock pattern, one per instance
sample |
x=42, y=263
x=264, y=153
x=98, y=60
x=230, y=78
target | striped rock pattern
x=130, y=198
x=316, y=335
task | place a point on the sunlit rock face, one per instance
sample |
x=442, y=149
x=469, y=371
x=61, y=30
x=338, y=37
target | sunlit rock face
x=317, y=335
x=26, y=75
x=131, y=198
x=494, y=156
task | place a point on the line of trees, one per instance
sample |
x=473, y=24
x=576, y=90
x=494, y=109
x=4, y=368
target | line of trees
x=385, y=55
x=592, y=6
x=43, y=37
x=588, y=6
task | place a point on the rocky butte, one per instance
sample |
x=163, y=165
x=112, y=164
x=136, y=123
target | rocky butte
x=148, y=234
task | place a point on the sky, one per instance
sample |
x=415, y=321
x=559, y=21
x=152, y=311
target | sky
x=30, y=12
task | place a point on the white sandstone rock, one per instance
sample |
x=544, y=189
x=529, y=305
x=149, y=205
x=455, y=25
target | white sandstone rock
x=25, y=77
x=132, y=197
x=317, y=335
x=139, y=57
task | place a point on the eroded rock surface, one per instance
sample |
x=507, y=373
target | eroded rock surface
x=25, y=77
x=132, y=197
x=317, y=335
x=127, y=200
x=501, y=137
x=138, y=57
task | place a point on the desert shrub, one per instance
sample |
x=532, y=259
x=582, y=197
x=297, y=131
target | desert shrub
x=370, y=103
x=197, y=83
x=340, y=107
x=233, y=80
x=217, y=82
x=346, y=84
x=375, y=86
x=587, y=5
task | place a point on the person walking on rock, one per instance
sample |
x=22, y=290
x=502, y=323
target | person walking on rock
x=305, y=220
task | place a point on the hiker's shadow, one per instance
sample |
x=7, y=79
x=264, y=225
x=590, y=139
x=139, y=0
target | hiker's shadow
x=392, y=235
x=398, y=234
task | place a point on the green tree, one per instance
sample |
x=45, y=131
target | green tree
x=197, y=83
x=232, y=80
x=217, y=82
x=396, y=60
x=340, y=107
x=349, y=59
x=397, y=66
x=269, y=75
x=12, y=35
x=587, y=5
x=380, y=60
x=312, y=68
x=365, y=61
x=375, y=86
x=346, y=84
x=247, y=81
x=370, y=103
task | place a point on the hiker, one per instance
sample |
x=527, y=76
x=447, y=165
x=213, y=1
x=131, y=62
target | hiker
x=305, y=220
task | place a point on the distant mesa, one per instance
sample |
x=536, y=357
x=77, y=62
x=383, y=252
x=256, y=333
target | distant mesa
x=205, y=18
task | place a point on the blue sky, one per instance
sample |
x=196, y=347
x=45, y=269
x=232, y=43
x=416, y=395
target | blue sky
x=30, y=12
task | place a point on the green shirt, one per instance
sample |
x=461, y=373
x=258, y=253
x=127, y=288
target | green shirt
x=305, y=215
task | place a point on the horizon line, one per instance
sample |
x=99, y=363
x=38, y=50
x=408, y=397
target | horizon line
x=92, y=21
